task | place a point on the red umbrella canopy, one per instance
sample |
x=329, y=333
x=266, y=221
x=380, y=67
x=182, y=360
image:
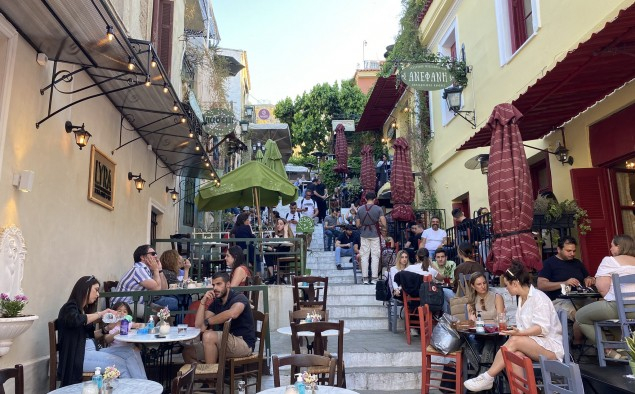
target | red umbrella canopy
x=341, y=150
x=510, y=196
x=402, y=184
x=367, y=172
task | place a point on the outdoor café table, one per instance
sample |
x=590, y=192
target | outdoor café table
x=164, y=352
x=483, y=359
x=328, y=333
x=320, y=390
x=122, y=386
x=580, y=295
x=611, y=379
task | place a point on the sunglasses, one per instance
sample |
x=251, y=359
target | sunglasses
x=152, y=253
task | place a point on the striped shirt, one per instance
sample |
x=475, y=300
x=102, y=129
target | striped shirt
x=131, y=281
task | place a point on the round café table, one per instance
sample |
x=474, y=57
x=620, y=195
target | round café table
x=320, y=390
x=162, y=354
x=122, y=386
x=328, y=333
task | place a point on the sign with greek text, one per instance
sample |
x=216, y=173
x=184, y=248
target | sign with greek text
x=426, y=76
x=219, y=121
x=101, y=181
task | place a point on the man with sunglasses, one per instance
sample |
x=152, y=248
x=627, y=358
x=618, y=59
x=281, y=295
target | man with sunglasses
x=145, y=274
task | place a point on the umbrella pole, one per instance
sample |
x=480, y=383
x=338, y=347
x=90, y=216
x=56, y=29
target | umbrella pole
x=257, y=200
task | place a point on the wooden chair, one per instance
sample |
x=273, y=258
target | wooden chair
x=520, y=373
x=310, y=298
x=16, y=373
x=319, y=345
x=569, y=373
x=254, y=295
x=109, y=286
x=625, y=301
x=429, y=367
x=53, y=358
x=297, y=361
x=183, y=382
x=212, y=374
x=288, y=267
x=411, y=314
x=250, y=366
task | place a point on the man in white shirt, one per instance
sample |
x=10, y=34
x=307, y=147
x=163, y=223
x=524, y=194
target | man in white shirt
x=434, y=237
x=292, y=216
x=308, y=207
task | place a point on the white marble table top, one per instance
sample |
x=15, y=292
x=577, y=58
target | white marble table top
x=320, y=390
x=328, y=333
x=173, y=336
x=121, y=386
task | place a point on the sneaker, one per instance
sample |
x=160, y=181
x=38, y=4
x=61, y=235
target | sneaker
x=414, y=332
x=339, y=267
x=373, y=281
x=366, y=281
x=479, y=383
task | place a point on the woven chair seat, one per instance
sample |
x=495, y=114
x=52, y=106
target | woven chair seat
x=431, y=349
x=253, y=356
x=318, y=370
x=201, y=369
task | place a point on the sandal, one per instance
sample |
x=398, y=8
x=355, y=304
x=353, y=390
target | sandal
x=616, y=354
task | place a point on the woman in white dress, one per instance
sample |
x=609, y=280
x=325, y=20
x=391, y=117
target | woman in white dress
x=538, y=332
x=622, y=262
x=401, y=263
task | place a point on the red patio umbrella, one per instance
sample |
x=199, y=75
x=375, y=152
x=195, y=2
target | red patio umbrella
x=402, y=185
x=367, y=172
x=341, y=150
x=510, y=196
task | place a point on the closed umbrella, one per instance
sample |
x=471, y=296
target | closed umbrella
x=510, y=194
x=367, y=171
x=273, y=159
x=341, y=150
x=259, y=156
x=402, y=182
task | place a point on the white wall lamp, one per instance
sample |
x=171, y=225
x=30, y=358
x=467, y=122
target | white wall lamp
x=24, y=180
x=452, y=96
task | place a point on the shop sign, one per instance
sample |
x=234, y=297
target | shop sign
x=101, y=181
x=426, y=76
x=219, y=121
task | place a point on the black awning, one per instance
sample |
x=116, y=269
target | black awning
x=74, y=32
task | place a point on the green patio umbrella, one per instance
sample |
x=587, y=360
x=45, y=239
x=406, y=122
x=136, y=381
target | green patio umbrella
x=273, y=158
x=259, y=155
x=251, y=184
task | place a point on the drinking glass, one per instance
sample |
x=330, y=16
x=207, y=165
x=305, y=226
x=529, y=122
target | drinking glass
x=502, y=321
x=90, y=388
x=181, y=329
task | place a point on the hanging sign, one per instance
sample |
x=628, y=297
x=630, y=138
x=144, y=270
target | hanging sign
x=426, y=76
x=219, y=121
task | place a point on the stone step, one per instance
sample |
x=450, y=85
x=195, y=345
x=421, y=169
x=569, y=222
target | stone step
x=351, y=299
x=365, y=323
x=383, y=378
x=382, y=359
x=340, y=289
x=353, y=311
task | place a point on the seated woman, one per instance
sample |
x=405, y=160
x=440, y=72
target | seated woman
x=242, y=229
x=281, y=230
x=171, y=262
x=235, y=260
x=77, y=334
x=621, y=262
x=538, y=332
x=483, y=301
x=400, y=264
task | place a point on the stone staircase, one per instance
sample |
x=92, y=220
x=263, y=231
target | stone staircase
x=377, y=360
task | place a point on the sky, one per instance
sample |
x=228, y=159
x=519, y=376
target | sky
x=293, y=45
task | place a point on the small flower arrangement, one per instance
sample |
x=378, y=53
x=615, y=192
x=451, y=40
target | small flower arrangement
x=308, y=379
x=111, y=373
x=12, y=308
x=164, y=314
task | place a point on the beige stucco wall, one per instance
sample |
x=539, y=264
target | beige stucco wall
x=563, y=25
x=66, y=235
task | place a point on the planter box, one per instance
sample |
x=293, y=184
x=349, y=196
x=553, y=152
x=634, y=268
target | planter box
x=564, y=221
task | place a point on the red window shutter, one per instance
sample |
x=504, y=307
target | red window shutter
x=164, y=49
x=591, y=189
x=517, y=23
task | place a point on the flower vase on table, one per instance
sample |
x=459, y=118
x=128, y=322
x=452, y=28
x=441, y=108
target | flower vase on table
x=164, y=326
x=110, y=375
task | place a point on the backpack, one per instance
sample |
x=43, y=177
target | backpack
x=382, y=290
x=431, y=294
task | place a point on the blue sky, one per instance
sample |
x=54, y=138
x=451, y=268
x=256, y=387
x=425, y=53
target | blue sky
x=293, y=45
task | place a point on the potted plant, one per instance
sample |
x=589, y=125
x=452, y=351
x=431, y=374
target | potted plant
x=630, y=348
x=566, y=214
x=12, y=322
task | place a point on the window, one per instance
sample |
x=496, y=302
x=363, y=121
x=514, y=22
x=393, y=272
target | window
x=154, y=223
x=188, y=202
x=447, y=47
x=162, y=31
x=517, y=21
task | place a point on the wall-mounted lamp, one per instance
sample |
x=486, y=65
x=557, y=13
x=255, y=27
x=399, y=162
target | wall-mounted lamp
x=258, y=146
x=452, y=97
x=174, y=195
x=249, y=111
x=110, y=34
x=24, y=180
x=561, y=152
x=138, y=181
x=479, y=161
x=244, y=126
x=81, y=134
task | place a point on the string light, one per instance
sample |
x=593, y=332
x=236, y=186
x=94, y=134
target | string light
x=148, y=82
x=165, y=88
x=109, y=33
x=130, y=63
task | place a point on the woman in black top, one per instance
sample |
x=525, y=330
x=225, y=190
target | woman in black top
x=242, y=229
x=77, y=332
